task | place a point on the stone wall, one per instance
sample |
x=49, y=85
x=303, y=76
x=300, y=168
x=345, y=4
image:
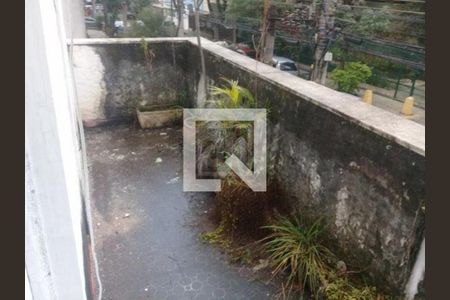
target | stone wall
x=333, y=155
x=112, y=79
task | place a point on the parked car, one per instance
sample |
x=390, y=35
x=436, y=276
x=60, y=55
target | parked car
x=245, y=50
x=285, y=64
x=119, y=24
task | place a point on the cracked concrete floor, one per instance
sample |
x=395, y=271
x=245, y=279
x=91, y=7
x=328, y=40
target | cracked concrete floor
x=147, y=229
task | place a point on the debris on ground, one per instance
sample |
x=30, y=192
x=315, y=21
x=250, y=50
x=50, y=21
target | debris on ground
x=263, y=263
x=158, y=160
x=161, y=147
x=163, y=133
x=126, y=215
x=173, y=180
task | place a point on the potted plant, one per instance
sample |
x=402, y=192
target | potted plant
x=155, y=116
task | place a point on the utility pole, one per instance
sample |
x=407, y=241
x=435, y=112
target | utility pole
x=197, y=5
x=264, y=51
x=325, y=25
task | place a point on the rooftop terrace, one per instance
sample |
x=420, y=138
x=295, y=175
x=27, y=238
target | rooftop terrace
x=358, y=165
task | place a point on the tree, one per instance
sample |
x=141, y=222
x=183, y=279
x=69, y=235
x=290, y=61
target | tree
x=392, y=21
x=256, y=13
x=153, y=24
x=136, y=6
x=217, y=12
x=179, y=7
x=110, y=10
x=245, y=11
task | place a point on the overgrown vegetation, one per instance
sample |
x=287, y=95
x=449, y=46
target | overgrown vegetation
x=237, y=254
x=349, y=77
x=297, y=251
x=339, y=288
x=218, y=140
x=384, y=72
x=232, y=95
x=239, y=210
x=152, y=24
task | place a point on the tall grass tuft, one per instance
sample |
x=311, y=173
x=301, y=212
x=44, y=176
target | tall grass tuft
x=295, y=249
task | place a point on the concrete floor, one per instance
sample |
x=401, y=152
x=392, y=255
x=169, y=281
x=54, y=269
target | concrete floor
x=147, y=229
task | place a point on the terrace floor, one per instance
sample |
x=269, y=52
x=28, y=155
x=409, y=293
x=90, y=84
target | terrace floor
x=147, y=229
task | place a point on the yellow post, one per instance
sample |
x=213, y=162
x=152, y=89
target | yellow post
x=408, y=105
x=368, y=96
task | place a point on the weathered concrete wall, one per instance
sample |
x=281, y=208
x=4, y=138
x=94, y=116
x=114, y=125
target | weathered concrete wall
x=73, y=17
x=332, y=155
x=54, y=169
x=112, y=79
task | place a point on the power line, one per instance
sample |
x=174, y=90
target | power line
x=390, y=1
x=380, y=13
x=388, y=9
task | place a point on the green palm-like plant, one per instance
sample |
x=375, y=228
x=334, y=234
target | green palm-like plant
x=233, y=95
x=295, y=249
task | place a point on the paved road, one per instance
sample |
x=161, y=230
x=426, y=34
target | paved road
x=147, y=228
x=391, y=105
x=95, y=34
x=396, y=106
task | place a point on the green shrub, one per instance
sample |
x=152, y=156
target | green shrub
x=351, y=76
x=153, y=25
x=232, y=96
x=295, y=249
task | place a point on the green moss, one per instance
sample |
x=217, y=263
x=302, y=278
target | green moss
x=217, y=237
x=220, y=238
x=340, y=288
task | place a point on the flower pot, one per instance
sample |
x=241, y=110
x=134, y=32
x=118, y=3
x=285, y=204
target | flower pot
x=159, y=118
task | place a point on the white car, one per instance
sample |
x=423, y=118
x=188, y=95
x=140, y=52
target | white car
x=285, y=64
x=118, y=24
